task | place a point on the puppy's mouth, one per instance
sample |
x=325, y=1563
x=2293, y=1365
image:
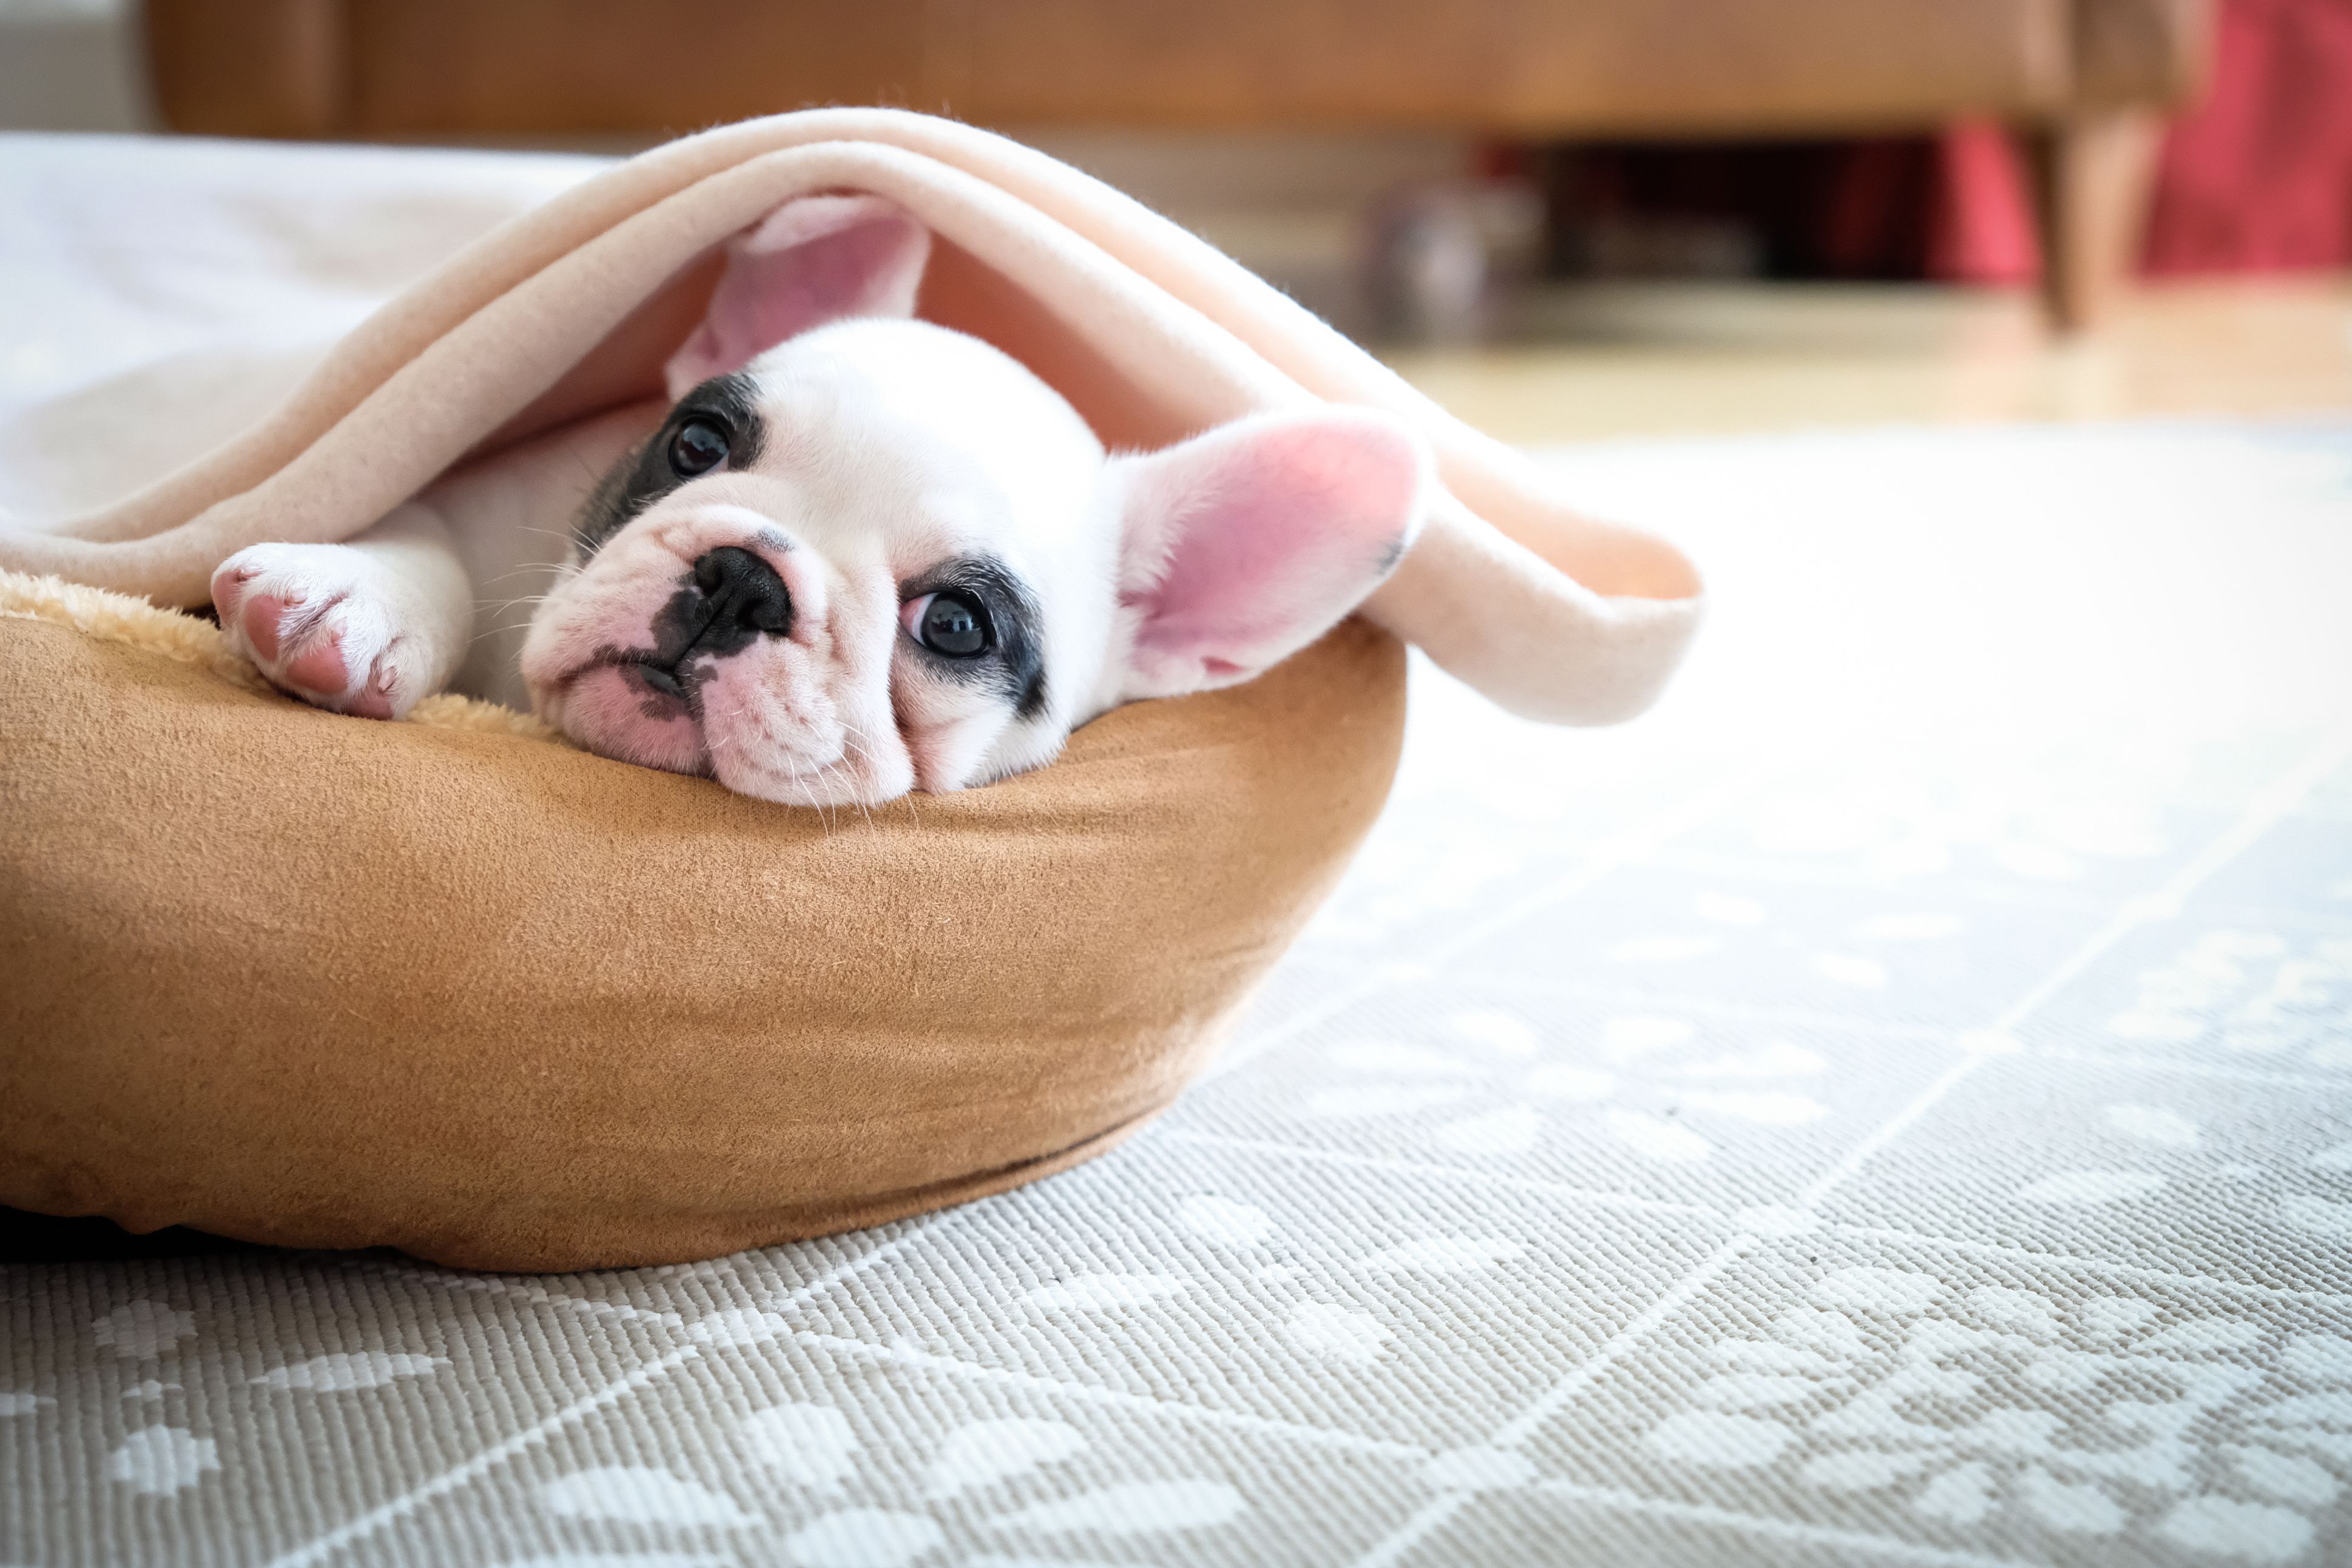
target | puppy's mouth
x=669, y=688
x=690, y=716
x=665, y=681
x=623, y=705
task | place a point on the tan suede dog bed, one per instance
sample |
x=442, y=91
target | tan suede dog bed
x=454, y=987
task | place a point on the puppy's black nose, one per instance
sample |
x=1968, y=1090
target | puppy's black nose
x=742, y=596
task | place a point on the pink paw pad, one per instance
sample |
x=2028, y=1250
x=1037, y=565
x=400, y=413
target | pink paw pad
x=228, y=587
x=320, y=666
x=262, y=618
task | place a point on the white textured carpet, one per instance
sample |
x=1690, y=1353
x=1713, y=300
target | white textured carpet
x=1891, y=1105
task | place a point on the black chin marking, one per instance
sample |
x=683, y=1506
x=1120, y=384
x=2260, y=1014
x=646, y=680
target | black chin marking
x=667, y=682
x=1014, y=669
x=644, y=475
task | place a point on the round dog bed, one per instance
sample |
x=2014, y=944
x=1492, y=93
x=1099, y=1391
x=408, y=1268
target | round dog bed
x=454, y=987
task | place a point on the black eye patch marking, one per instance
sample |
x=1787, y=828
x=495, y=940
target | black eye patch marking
x=1014, y=669
x=726, y=406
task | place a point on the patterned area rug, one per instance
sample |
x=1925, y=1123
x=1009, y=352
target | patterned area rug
x=1894, y=1104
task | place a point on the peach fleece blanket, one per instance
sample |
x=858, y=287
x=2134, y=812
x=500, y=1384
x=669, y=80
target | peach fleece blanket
x=570, y=310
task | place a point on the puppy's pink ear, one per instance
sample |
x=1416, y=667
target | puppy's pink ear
x=812, y=260
x=1244, y=545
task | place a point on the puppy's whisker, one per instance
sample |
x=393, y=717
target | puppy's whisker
x=849, y=789
x=823, y=814
x=850, y=744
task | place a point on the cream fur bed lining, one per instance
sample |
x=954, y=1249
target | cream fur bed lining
x=191, y=639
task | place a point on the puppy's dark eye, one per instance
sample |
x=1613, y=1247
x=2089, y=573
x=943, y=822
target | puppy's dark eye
x=948, y=624
x=700, y=446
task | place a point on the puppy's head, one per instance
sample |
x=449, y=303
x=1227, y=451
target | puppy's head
x=865, y=554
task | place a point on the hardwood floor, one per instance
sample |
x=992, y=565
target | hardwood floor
x=1604, y=361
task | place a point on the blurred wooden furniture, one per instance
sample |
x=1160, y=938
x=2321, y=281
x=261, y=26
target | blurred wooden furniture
x=2083, y=80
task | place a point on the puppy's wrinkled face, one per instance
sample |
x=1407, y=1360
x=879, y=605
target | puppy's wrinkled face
x=870, y=561
x=865, y=554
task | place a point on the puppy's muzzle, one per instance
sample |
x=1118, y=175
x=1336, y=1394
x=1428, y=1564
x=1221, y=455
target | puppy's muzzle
x=731, y=599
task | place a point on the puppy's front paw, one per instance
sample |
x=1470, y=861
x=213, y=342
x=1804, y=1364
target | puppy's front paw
x=324, y=624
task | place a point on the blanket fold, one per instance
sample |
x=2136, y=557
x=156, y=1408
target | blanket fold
x=570, y=310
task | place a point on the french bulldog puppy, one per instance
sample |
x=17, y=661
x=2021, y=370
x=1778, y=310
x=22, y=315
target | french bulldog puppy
x=862, y=554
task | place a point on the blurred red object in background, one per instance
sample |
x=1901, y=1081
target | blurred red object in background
x=2255, y=177
x=1980, y=227
x=2258, y=176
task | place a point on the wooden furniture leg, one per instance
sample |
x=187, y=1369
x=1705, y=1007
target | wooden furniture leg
x=249, y=68
x=2092, y=175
